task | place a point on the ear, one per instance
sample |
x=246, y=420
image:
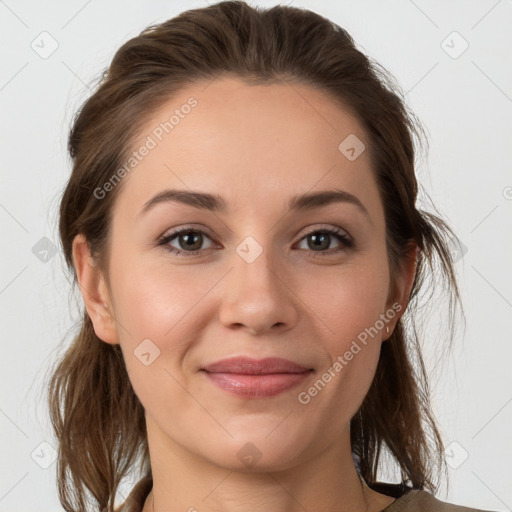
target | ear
x=94, y=291
x=405, y=280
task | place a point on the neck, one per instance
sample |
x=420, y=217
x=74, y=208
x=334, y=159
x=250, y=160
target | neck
x=183, y=481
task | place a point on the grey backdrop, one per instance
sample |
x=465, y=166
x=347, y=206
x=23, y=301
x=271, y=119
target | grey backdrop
x=452, y=59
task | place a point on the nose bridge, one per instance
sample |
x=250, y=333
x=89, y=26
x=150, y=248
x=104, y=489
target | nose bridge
x=256, y=295
x=254, y=265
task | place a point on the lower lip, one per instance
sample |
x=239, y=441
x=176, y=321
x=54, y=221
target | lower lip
x=257, y=386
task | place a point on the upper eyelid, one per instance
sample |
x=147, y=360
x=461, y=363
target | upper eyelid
x=335, y=228
x=178, y=231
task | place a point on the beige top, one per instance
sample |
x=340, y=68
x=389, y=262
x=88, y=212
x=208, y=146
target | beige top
x=406, y=501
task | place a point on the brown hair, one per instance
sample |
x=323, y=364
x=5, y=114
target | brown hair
x=98, y=420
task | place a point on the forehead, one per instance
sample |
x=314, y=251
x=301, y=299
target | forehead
x=250, y=143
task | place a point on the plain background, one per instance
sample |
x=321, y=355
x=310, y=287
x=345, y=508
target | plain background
x=464, y=99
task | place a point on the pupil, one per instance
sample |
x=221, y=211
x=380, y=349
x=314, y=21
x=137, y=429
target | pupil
x=191, y=240
x=319, y=239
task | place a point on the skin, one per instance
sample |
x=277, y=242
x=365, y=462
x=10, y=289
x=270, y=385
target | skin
x=256, y=146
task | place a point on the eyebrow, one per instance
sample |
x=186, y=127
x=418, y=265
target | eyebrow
x=217, y=203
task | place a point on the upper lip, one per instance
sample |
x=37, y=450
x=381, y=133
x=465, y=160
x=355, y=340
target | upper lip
x=250, y=366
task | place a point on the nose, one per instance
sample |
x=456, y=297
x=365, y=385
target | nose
x=258, y=296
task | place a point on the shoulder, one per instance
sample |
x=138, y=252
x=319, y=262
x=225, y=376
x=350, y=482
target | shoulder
x=422, y=501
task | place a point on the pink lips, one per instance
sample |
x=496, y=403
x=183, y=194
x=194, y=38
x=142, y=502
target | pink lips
x=253, y=378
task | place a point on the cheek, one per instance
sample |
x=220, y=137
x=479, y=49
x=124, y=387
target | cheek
x=348, y=299
x=349, y=304
x=159, y=318
x=161, y=310
x=155, y=301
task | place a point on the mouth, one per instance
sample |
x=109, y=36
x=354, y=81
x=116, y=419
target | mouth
x=252, y=378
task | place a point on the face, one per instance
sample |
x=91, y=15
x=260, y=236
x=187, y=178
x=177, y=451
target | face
x=261, y=275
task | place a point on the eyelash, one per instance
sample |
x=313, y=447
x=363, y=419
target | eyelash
x=345, y=240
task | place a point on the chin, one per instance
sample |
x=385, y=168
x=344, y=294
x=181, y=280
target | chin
x=255, y=453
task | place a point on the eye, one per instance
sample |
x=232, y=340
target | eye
x=319, y=240
x=189, y=241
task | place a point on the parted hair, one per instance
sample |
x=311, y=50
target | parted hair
x=97, y=418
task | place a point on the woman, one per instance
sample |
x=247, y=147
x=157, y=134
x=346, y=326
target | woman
x=241, y=222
